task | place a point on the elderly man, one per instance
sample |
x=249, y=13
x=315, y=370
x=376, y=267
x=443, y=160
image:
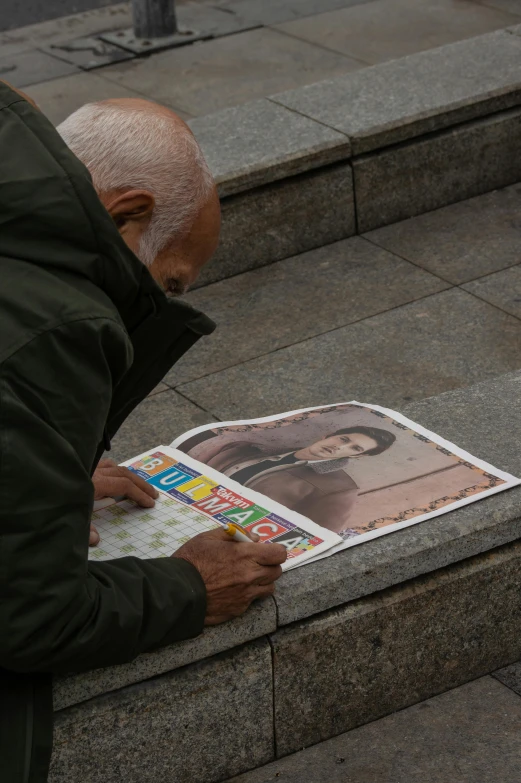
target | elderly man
x=85, y=333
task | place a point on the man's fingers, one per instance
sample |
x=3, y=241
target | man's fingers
x=111, y=487
x=263, y=591
x=93, y=536
x=218, y=533
x=221, y=534
x=259, y=592
x=143, y=485
x=113, y=481
x=136, y=493
x=218, y=619
x=115, y=471
x=106, y=463
x=269, y=575
x=254, y=537
x=269, y=554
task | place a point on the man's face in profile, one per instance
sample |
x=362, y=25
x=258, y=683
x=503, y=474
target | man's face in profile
x=352, y=444
x=177, y=266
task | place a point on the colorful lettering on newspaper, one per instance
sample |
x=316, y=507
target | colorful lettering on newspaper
x=152, y=464
x=203, y=494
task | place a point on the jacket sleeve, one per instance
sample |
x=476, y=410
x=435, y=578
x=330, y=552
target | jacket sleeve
x=58, y=613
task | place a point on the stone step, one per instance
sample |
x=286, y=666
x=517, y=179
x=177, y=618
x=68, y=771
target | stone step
x=345, y=641
x=442, y=291
x=466, y=735
x=320, y=163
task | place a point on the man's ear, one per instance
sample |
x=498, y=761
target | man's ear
x=133, y=206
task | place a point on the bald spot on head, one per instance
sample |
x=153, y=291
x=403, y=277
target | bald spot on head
x=157, y=109
x=142, y=104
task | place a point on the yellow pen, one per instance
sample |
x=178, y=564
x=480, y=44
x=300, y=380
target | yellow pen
x=236, y=533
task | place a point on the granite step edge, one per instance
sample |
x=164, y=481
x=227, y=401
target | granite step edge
x=476, y=418
x=263, y=141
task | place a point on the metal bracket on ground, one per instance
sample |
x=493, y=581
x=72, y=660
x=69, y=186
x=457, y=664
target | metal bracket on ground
x=127, y=40
x=87, y=53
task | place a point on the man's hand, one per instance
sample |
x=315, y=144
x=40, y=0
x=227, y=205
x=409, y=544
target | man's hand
x=111, y=481
x=235, y=573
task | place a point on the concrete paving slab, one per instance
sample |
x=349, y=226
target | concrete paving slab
x=502, y=289
x=261, y=142
x=386, y=29
x=427, y=91
x=207, y=17
x=161, y=387
x=36, y=13
x=465, y=735
x=515, y=30
x=462, y=241
x=157, y=420
x=479, y=419
x=215, y=74
x=444, y=342
x=145, y=46
x=282, y=219
x=510, y=676
x=196, y=21
x=60, y=97
x=17, y=14
x=299, y=298
x=29, y=67
x=31, y=36
x=87, y=53
x=504, y=5
x=440, y=169
x=273, y=11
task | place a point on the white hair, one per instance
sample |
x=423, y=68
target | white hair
x=127, y=148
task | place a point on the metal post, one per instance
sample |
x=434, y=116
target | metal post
x=154, y=18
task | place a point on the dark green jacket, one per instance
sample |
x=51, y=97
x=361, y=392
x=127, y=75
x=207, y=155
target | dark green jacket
x=85, y=334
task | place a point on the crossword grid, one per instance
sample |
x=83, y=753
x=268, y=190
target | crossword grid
x=154, y=532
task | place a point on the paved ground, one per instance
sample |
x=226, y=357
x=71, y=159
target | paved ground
x=16, y=14
x=468, y=735
x=405, y=312
x=292, y=43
